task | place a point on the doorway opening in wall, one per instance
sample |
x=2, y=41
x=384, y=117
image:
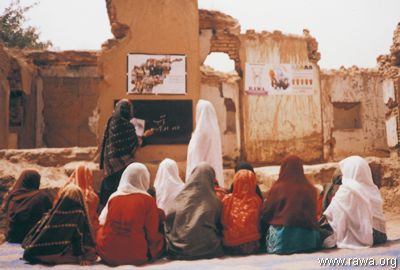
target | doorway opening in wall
x=221, y=62
x=347, y=115
x=16, y=111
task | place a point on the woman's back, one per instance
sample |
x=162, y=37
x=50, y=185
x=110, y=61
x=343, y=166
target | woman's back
x=123, y=237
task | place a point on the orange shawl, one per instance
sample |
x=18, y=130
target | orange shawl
x=241, y=211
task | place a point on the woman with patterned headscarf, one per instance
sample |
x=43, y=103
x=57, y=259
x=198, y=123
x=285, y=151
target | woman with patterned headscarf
x=63, y=235
x=118, y=148
x=129, y=223
x=291, y=211
x=25, y=205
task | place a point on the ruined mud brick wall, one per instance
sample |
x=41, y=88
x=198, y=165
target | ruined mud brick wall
x=219, y=33
x=222, y=90
x=4, y=96
x=68, y=89
x=21, y=102
x=389, y=67
x=274, y=126
x=353, y=113
x=149, y=27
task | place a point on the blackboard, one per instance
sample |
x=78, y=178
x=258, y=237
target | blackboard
x=171, y=120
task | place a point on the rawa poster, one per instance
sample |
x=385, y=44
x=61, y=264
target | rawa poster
x=279, y=79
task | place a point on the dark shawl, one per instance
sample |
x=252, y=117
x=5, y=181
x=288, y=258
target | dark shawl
x=193, y=228
x=120, y=140
x=25, y=205
x=241, y=165
x=64, y=235
x=292, y=199
x=331, y=189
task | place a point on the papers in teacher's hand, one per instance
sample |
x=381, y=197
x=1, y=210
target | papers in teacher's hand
x=139, y=126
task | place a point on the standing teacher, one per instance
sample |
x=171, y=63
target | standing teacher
x=120, y=143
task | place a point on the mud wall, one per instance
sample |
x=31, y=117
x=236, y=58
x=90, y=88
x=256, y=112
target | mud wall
x=222, y=90
x=68, y=94
x=149, y=27
x=353, y=113
x=389, y=67
x=274, y=126
x=4, y=97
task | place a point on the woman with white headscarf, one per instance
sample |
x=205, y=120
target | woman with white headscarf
x=129, y=222
x=167, y=184
x=355, y=213
x=205, y=144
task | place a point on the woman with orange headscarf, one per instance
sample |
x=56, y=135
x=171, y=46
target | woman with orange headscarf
x=241, y=215
x=291, y=211
x=83, y=178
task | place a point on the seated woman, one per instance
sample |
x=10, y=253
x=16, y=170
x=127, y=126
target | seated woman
x=167, y=184
x=64, y=235
x=83, y=177
x=25, y=205
x=128, y=232
x=193, y=230
x=241, y=215
x=355, y=213
x=291, y=211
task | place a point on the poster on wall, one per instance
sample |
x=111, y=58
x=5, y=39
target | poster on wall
x=156, y=74
x=279, y=79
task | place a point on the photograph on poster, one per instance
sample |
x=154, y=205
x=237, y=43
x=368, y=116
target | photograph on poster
x=279, y=79
x=156, y=74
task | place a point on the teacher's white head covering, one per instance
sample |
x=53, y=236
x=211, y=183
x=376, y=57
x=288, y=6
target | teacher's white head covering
x=357, y=207
x=167, y=184
x=135, y=179
x=205, y=144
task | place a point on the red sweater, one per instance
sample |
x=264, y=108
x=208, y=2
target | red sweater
x=130, y=231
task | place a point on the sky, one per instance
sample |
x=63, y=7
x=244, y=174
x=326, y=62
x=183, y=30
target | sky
x=349, y=32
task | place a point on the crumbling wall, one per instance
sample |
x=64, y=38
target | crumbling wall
x=4, y=97
x=219, y=33
x=274, y=126
x=68, y=83
x=149, y=27
x=348, y=131
x=389, y=67
x=222, y=90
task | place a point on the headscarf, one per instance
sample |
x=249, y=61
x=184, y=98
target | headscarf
x=120, y=140
x=135, y=179
x=27, y=183
x=241, y=210
x=25, y=205
x=205, y=144
x=192, y=223
x=292, y=199
x=357, y=207
x=83, y=178
x=167, y=184
x=65, y=227
x=242, y=165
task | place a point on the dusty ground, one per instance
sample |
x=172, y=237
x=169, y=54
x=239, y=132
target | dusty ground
x=10, y=257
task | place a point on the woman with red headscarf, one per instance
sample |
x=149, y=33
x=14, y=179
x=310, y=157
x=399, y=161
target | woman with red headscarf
x=83, y=178
x=290, y=211
x=241, y=215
